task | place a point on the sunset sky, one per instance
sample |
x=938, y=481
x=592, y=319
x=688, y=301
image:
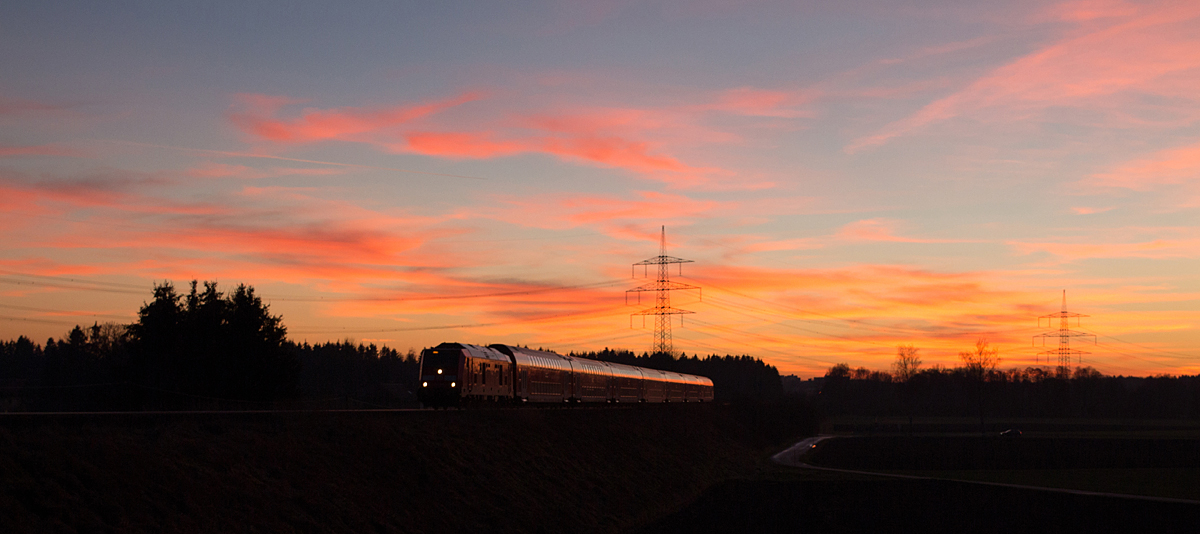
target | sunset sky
x=846, y=176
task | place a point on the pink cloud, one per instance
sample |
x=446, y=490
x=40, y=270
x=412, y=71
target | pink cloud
x=70, y=195
x=476, y=145
x=1085, y=10
x=610, y=213
x=38, y=150
x=13, y=106
x=645, y=141
x=570, y=138
x=1153, y=51
x=881, y=230
x=257, y=118
x=1081, y=210
x=750, y=101
x=1171, y=166
x=222, y=170
x=1150, y=243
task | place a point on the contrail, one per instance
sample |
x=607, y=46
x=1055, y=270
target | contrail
x=268, y=156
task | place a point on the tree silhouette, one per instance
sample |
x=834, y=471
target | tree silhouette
x=212, y=345
x=905, y=367
x=980, y=361
x=979, y=364
x=907, y=363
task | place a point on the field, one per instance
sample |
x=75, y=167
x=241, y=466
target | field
x=1155, y=459
x=549, y=470
x=798, y=500
x=689, y=469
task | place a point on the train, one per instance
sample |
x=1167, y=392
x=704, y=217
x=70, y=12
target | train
x=457, y=374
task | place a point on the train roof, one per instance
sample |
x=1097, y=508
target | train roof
x=554, y=360
x=474, y=351
x=535, y=358
x=628, y=371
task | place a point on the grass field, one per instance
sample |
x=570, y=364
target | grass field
x=1074, y=427
x=1144, y=458
x=1172, y=483
x=790, y=500
x=548, y=470
x=1158, y=458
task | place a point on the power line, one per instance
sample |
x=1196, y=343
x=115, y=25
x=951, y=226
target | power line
x=857, y=322
x=551, y=318
x=31, y=320
x=593, y=285
x=78, y=314
x=130, y=289
x=1149, y=348
x=138, y=287
x=710, y=334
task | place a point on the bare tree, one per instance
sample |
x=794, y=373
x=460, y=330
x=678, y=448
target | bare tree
x=905, y=368
x=978, y=364
x=981, y=361
x=907, y=363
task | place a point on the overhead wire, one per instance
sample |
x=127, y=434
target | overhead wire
x=116, y=287
x=859, y=323
x=787, y=312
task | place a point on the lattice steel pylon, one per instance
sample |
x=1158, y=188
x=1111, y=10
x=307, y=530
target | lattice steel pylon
x=1064, y=335
x=663, y=286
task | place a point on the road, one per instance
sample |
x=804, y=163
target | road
x=793, y=456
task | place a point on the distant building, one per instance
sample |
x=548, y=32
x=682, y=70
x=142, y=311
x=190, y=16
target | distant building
x=794, y=386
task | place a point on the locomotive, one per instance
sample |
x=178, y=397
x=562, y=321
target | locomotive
x=453, y=374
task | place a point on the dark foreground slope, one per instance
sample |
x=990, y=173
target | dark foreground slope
x=797, y=499
x=497, y=470
x=835, y=502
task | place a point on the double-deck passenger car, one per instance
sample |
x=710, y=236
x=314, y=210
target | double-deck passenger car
x=458, y=373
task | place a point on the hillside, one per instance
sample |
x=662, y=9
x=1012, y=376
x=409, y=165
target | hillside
x=548, y=470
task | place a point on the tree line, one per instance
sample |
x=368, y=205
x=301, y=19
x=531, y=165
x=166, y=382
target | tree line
x=735, y=378
x=979, y=387
x=205, y=349
x=210, y=349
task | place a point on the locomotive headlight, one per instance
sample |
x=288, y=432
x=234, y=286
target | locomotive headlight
x=424, y=384
x=439, y=371
x=452, y=384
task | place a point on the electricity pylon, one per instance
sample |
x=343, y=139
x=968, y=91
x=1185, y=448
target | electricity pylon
x=663, y=286
x=1064, y=335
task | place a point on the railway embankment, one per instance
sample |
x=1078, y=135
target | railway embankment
x=522, y=470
